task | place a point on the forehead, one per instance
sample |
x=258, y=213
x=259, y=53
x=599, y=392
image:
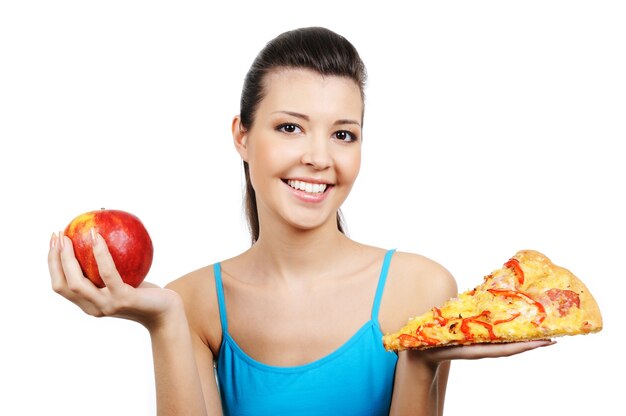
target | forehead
x=309, y=92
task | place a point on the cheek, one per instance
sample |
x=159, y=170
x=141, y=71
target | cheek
x=350, y=164
x=269, y=160
x=278, y=157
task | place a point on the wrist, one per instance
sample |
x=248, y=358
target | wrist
x=169, y=319
x=427, y=360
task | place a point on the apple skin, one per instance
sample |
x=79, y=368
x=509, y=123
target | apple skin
x=126, y=237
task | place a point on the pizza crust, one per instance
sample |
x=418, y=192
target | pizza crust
x=546, y=272
x=529, y=298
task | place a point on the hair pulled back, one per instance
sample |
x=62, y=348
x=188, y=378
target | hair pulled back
x=315, y=48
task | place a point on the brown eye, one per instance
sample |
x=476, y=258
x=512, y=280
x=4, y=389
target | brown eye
x=345, y=136
x=289, y=128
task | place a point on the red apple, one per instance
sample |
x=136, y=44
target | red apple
x=127, y=239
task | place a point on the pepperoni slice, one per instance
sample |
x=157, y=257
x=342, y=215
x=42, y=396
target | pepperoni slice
x=564, y=299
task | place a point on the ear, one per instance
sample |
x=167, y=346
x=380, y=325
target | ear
x=240, y=138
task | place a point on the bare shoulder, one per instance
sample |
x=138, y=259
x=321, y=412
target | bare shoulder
x=415, y=284
x=197, y=290
x=189, y=285
x=420, y=272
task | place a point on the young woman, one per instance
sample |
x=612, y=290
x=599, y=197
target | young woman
x=292, y=325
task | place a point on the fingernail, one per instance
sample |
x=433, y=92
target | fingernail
x=61, y=239
x=53, y=240
x=94, y=240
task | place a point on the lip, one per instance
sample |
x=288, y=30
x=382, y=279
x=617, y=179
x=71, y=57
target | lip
x=306, y=196
x=309, y=180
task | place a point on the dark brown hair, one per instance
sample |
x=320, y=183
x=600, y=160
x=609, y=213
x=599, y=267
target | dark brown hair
x=316, y=48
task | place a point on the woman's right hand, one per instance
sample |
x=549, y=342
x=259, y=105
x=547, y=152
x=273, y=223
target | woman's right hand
x=148, y=304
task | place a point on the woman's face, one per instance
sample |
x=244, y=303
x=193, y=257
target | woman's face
x=304, y=147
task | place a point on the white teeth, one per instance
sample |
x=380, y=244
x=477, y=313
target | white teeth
x=314, y=188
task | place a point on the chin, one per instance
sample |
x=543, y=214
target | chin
x=314, y=224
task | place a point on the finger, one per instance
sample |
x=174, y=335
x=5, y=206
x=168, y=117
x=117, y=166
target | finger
x=108, y=272
x=146, y=284
x=77, y=284
x=506, y=349
x=57, y=277
x=486, y=350
x=59, y=282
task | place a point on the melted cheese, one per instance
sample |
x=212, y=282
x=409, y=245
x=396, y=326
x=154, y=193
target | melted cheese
x=505, y=307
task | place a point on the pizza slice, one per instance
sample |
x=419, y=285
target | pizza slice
x=528, y=298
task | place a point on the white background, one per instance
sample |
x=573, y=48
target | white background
x=490, y=127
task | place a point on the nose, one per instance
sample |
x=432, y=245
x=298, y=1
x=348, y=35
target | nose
x=317, y=153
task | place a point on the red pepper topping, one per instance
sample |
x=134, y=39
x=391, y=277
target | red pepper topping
x=501, y=321
x=428, y=340
x=465, y=328
x=439, y=317
x=513, y=264
x=524, y=297
x=419, y=333
x=408, y=341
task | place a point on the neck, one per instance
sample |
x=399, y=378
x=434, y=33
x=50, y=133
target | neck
x=289, y=255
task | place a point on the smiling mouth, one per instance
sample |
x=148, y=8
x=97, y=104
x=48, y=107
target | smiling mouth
x=311, y=188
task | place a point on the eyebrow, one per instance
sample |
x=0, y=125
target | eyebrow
x=305, y=117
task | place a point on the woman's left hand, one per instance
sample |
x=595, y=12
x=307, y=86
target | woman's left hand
x=486, y=350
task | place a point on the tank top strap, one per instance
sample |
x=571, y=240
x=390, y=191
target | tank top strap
x=219, y=287
x=381, y=284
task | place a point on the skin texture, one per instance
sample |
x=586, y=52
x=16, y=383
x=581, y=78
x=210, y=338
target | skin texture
x=311, y=145
x=301, y=273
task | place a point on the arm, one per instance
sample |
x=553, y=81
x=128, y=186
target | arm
x=421, y=379
x=179, y=387
x=201, y=368
x=178, y=383
x=420, y=385
x=421, y=376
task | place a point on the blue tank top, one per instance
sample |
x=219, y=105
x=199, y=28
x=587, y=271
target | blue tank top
x=355, y=379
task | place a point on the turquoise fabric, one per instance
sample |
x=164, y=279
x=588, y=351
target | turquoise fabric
x=355, y=379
